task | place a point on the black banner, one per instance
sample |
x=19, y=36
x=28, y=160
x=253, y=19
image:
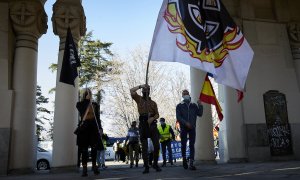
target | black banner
x=70, y=61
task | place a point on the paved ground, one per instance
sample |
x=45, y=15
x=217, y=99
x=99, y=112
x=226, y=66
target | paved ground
x=274, y=170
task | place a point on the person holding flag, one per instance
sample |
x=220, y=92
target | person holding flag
x=148, y=111
x=186, y=114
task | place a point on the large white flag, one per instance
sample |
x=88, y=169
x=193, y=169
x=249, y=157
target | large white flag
x=201, y=33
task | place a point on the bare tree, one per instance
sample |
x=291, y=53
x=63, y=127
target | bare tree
x=166, y=84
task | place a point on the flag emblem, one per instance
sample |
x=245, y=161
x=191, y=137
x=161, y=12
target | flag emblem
x=201, y=33
x=203, y=40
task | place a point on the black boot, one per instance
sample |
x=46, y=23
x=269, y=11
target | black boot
x=146, y=170
x=84, y=171
x=184, y=163
x=192, y=167
x=156, y=167
x=95, y=170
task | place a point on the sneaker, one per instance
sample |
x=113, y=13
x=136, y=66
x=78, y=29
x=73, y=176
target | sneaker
x=164, y=164
x=131, y=165
x=192, y=167
x=103, y=166
x=137, y=165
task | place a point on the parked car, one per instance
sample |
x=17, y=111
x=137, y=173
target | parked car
x=109, y=153
x=44, y=159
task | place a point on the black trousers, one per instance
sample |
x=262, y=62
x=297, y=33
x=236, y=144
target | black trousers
x=147, y=131
x=164, y=145
x=85, y=155
x=89, y=137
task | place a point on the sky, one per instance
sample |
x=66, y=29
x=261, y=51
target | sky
x=125, y=23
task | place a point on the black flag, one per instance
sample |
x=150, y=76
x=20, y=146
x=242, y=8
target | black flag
x=70, y=61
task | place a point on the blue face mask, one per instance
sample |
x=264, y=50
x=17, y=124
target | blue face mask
x=186, y=98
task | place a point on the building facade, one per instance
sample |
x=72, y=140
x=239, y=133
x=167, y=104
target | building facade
x=264, y=126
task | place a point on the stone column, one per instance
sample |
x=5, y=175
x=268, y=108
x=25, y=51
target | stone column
x=235, y=127
x=29, y=22
x=66, y=13
x=204, y=147
x=294, y=35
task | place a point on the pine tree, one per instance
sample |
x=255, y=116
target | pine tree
x=41, y=113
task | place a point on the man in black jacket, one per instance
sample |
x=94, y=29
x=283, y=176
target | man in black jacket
x=186, y=114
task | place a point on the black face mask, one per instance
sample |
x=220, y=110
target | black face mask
x=145, y=94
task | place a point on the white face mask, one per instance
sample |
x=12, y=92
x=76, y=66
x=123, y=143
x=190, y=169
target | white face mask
x=186, y=98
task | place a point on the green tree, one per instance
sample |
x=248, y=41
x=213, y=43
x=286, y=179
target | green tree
x=97, y=64
x=41, y=113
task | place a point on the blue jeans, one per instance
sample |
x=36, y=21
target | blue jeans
x=192, y=137
x=101, y=157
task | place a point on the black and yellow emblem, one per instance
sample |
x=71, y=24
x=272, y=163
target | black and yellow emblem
x=205, y=29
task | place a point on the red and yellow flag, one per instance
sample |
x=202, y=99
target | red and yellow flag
x=208, y=96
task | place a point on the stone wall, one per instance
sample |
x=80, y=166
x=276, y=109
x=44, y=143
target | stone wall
x=6, y=95
x=272, y=69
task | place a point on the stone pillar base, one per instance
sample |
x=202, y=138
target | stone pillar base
x=21, y=171
x=4, y=149
x=65, y=169
x=283, y=158
x=237, y=160
x=205, y=162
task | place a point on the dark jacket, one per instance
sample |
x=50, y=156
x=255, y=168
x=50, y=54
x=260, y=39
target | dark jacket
x=82, y=106
x=188, y=112
x=89, y=130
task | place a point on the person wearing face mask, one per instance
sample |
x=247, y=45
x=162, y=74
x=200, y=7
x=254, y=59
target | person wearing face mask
x=186, y=114
x=148, y=112
x=133, y=143
x=166, y=136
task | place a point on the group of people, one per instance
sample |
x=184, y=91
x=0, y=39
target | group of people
x=186, y=115
x=90, y=132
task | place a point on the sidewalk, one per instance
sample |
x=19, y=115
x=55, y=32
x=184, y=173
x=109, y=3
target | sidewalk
x=274, y=170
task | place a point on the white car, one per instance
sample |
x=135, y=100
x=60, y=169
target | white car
x=44, y=159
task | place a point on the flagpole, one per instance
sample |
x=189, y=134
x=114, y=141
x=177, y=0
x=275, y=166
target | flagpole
x=147, y=97
x=147, y=71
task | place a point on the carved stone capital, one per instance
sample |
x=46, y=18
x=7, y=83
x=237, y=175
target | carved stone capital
x=294, y=35
x=68, y=14
x=28, y=17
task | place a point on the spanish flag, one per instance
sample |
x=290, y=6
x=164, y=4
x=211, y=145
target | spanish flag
x=208, y=96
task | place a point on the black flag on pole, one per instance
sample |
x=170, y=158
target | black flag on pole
x=70, y=61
